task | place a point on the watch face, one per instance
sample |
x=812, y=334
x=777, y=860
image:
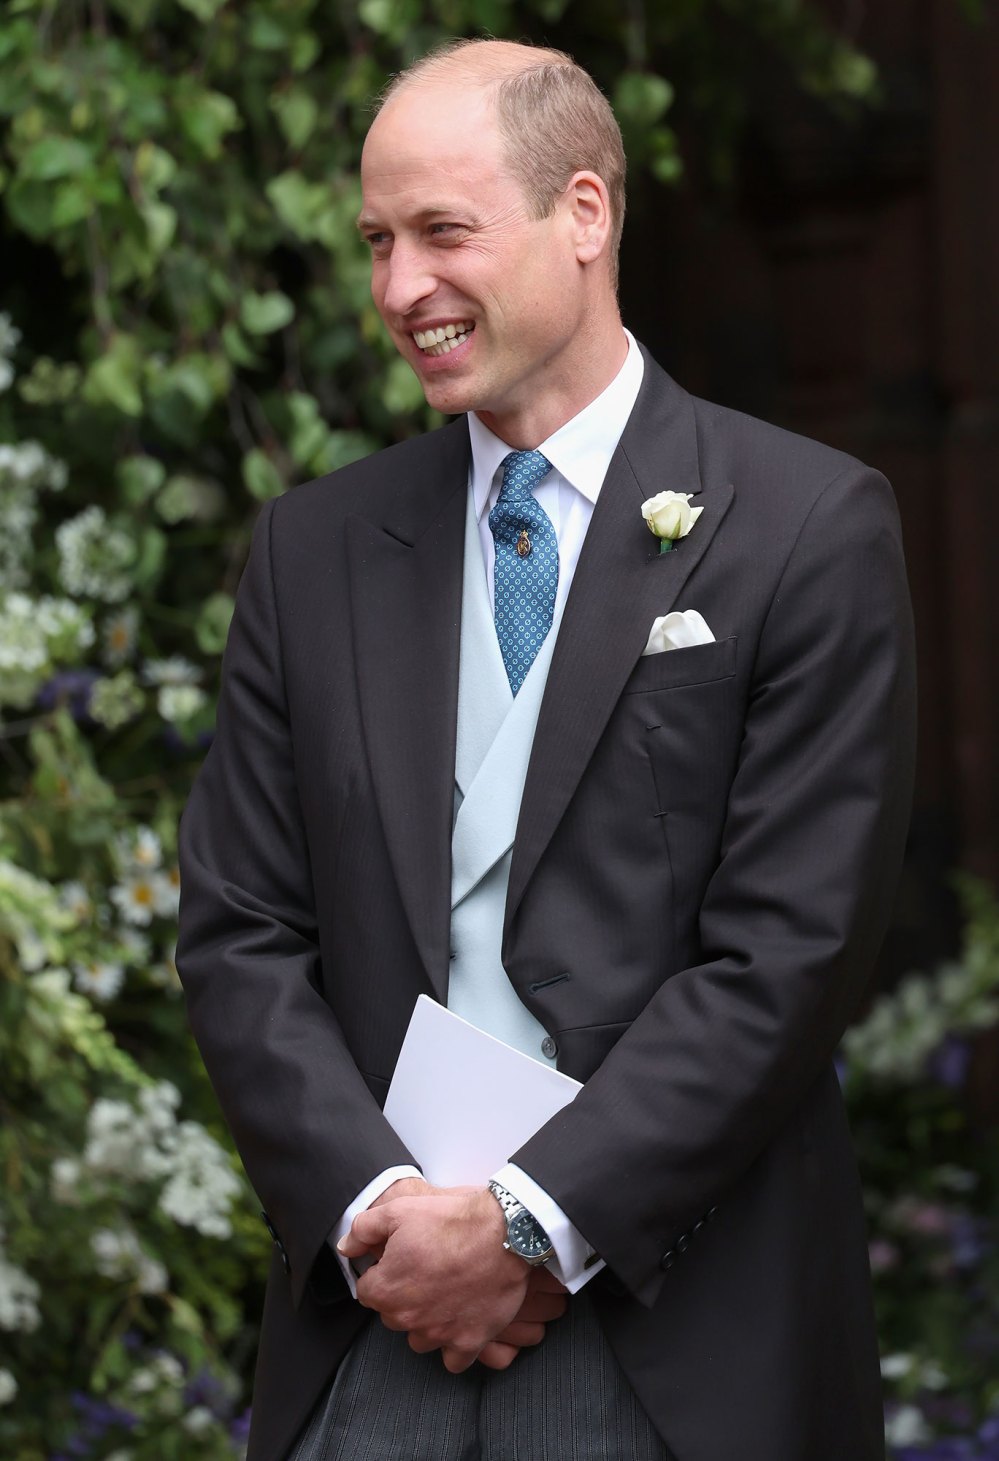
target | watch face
x=527, y=1237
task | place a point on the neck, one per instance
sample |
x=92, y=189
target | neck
x=564, y=397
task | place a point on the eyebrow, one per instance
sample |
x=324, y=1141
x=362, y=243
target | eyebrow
x=426, y=215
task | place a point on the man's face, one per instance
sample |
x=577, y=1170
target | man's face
x=455, y=250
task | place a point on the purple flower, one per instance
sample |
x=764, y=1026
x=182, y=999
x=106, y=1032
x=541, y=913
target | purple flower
x=239, y=1430
x=70, y=688
x=969, y=1246
x=207, y=1389
x=883, y=1255
x=948, y=1063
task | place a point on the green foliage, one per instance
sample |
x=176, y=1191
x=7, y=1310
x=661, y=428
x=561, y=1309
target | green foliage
x=931, y=1180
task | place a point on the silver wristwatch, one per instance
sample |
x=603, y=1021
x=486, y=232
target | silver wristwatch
x=524, y=1234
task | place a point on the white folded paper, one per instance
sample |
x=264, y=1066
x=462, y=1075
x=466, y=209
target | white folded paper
x=462, y=1101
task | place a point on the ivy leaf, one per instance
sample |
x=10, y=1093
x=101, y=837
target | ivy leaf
x=161, y=225
x=203, y=10
x=212, y=626
x=262, y=314
x=206, y=117
x=152, y=555
x=154, y=167
x=296, y=112
x=236, y=348
x=261, y=476
x=298, y=203
x=640, y=98
x=114, y=379
x=402, y=393
x=56, y=157
x=139, y=478
x=309, y=433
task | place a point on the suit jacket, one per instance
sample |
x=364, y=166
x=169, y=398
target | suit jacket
x=706, y=852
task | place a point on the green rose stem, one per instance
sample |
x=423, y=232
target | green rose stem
x=665, y=544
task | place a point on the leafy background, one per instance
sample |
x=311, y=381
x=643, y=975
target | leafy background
x=185, y=331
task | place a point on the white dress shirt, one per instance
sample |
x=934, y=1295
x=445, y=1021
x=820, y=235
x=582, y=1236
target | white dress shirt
x=580, y=453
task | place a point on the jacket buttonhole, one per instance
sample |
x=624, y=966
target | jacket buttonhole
x=541, y=984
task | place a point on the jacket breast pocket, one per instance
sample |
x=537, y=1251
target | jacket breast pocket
x=699, y=664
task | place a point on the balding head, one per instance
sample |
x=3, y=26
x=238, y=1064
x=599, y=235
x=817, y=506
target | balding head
x=553, y=118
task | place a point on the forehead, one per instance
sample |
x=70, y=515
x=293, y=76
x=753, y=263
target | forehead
x=433, y=139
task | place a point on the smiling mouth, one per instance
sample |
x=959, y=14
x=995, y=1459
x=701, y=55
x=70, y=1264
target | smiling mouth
x=443, y=339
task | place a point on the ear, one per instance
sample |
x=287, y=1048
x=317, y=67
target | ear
x=589, y=206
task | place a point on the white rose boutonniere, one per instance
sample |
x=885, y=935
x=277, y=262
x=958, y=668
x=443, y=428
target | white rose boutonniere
x=670, y=516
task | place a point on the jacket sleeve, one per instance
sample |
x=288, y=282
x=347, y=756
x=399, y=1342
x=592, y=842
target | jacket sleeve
x=792, y=917
x=309, y=1131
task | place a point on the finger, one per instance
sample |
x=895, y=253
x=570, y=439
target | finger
x=498, y=1356
x=542, y=1308
x=457, y=1360
x=522, y=1335
x=369, y=1230
x=420, y=1344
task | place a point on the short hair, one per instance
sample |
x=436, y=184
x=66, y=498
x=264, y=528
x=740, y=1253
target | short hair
x=553, y=117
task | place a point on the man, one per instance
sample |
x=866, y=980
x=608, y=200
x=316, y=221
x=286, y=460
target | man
x=445, y=764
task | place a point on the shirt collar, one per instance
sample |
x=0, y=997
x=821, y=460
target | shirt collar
x=580, y=451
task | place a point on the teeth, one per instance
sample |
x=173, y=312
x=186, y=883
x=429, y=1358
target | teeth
x=444, y=338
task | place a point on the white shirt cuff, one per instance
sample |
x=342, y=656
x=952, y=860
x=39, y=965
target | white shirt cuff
x=575, y=1262
x=354, y=1267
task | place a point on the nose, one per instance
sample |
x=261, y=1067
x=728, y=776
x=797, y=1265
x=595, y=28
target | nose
x=407, y=280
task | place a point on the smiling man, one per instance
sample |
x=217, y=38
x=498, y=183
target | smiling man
x=636, y=812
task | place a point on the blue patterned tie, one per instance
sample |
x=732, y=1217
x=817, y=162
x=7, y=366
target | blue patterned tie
x=526, y=572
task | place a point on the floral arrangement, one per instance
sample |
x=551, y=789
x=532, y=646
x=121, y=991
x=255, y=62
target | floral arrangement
x=930, y=1166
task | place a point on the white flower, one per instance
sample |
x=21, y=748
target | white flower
x=166, y=890
x=120, y=1255
x=135, y=898
x=173, y=671
x=10, y=335
x=134, y=947
x=198, y=1420
x=203, y=1184
x=64, y=1179
x=18, y=1297
x=147, y=851
x=119, y=635
x=906, y=1427
x=76, y=900
x=896, y=1366
x=177, y=703
x=35, y=636
x=95, y=557
x=8, y=1387
x=669, y=515
x=25, y=470
x=102, y=981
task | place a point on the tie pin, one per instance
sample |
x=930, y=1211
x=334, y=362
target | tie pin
x=523, y=544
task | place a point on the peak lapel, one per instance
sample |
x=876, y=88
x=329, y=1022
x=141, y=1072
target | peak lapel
x=405, y=584
x=621, y=584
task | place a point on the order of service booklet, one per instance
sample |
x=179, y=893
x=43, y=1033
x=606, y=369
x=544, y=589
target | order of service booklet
x=463, y=1101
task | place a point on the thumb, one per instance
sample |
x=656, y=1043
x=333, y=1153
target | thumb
x=368, y=1231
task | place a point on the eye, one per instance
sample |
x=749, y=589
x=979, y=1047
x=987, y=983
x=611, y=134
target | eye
x=447, y=232
x=378, y=241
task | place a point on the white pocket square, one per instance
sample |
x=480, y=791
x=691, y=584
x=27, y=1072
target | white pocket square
x=678, y=630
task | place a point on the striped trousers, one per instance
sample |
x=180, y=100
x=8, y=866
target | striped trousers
x=565, y=1400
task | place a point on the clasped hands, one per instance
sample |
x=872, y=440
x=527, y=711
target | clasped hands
x=443, y=1277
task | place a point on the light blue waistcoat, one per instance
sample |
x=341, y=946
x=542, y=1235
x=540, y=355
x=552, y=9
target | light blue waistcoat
x=495, y=736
